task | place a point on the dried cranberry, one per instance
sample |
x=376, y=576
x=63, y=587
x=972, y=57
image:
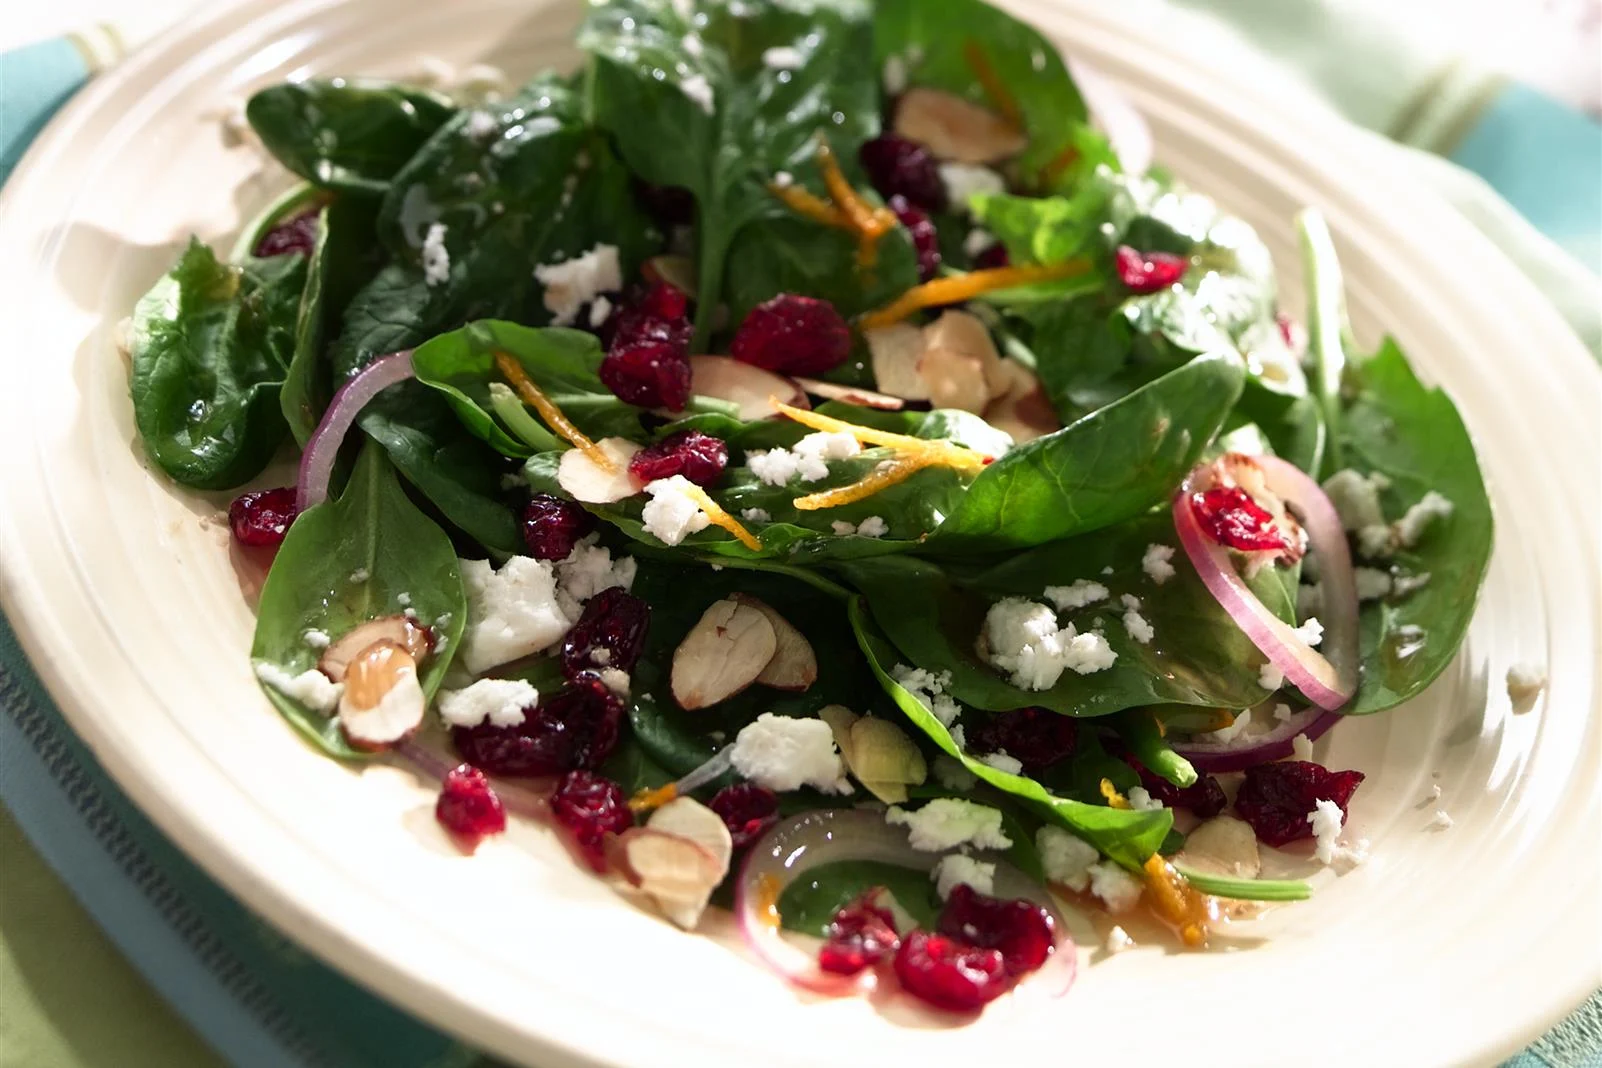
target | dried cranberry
x=1231, y=518
x=1276, y=798
x=859, y=936
x=747, y=810
x=468, y=806
x=609, y=633
x=296, y=234
x=699, y=457
x=899, y=167
x=1147, y=272
x=925, y=238
x=650, y=374
x=793, y=335
x=669, y=205
x=1204, y=797
x=949, y=973
x=993, y=256
x=591, y=807
x=262, y=518
x=1036, y=737
x=659, y=313
x=574, y=729
x=553, y=525
x=1021, y=930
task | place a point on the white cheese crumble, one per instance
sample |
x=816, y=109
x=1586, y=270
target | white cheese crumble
x=755, y=515
x=501, y=701
x=1326, y=819
x=977, y=241
x=1441, y=821
x=959, y=737
x=1022, y=638
x=1002, y=762
x=511, y=613
x=1356, y=498
x=871, y=527
x=1282, y=713
x=958, y=870
x=1118, y=890
x=310, y=688
x=1138, y=628
x=359, y=576
x=481, y=125
x=773, y=466
x=589, y=569
x=616, y=680
x=1234, y=730
x=1140, y=800
x=436, y=258
x=403, y=599
x=1375, y=540
x=1301, y=747
x=783, y=179
x=965, y=180
x=1311, y=631
x=1372, y=584
x=1081, y=593
x=930, y=690
x=1524, y=684
x=1418, y=519
x=672, y=514
x=953, y=775
x=1065, y=858
x=1402, y=585
x=895, y=76
x=948, y=822
x=1270, y=677
x=782, y=58
x=784, y=753
x=573, y=283
x=1118, y=940
x=600, y=309
x=316, y=639
x=1156, y=563
x=699, y=90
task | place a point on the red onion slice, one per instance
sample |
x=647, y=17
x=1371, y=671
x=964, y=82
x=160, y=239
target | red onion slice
x=1329, y=681
x=797, y=845
x=317, y=462
x=1245, y=752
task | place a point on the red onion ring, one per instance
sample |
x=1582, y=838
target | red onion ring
x=1216, y=757
x=322, y=449
x=1327, y=681
x=797, y=845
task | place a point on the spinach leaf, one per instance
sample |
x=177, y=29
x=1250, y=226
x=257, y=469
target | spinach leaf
x=1196, y=657
x=1046, y=229
x=351, y=136
x=1327, y=330
x=350, y=560
x=1108, y=466
x=210, y=345
x=794, y=255
x=712, y=116
x=1127, y=836
x=813, y=897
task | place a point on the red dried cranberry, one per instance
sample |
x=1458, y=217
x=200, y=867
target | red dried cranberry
x=609, y=633
x=1147, y=272
x=1204, y=797
x=699, y=457
x=553, y=525
x=669, y=205
x=859, y=936
x=649, y=374
x=1231, y=518
x=747, y=810
x=468, y=806
x=659, y=313
x=899, y=167
x=297, y=234
x=574, y=729
x=1276, y=798
x=1036, y=737
x=591, y=807
x=993, y=256
x=261, y=518
x=950, y=974
x=793, y=335
x=925, y=238
x=1024, y=932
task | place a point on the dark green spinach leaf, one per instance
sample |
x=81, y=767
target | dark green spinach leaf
x=813, y=897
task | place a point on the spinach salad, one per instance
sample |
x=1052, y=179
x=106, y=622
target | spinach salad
x=830, y=478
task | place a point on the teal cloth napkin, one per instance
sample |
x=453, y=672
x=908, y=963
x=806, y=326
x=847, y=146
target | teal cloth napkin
x=257, y=999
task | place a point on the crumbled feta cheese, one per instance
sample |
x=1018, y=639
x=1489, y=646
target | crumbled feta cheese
x=1130, y=601
x=573, y=283
x=589, y=569
x=692, y=45
x=1282, y=713
x=1002, y=762
x=1524, y=684
x=948, y=822
x=1081, y=593
x=1138, y=628
x=783, y=179
x=1441, y=821
x=436, y=257
x=959, y=737
x=785, y=753
x=1413, y=525
x=1270, y=677
x=755, y=515
x=977, y=241
x=601, y=655
x=1403, y=585
x=950, y=773
x=1301, y=747
x=1118, y=890
x=1140, y=800
x=316, y=639
x=310, y=688
x=773, y=466
x=1376, y=540
x=930, y=690
x=616, y=680
x=600, y=309
x=501, y=701
x=1235, y=729
x=1372, y=584
x=699, y=90
x=815, y=450
x=358, y=576
x=672, y=514
x=481, y=125
x=1326, y=819
x=403, y=599
x=843, y=528
x=1156, y=563
x=1356, y=499
x=965, y=180
x=1065, y=858
x=980, y=437
x=895, y=76
x=783, y=58
x=1022, y=638
x=1311, y=631
x=958, y=870
x=1118, y=940
x=873, y=527
x=511, y=612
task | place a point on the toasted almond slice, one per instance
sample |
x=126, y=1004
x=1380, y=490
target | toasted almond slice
x=676, y=271
x=840, y=718
x=794, y=665
x=398, y=629
x=884, y=759
x=965, y=333
x=1024, y=410
x=585, y=480
x=865, y=398
x=895, y=351
x=675, y=873
x=743, y=384
x=383, y=702
x=956, y=380
x=688, y=818
x=891, y=793
x=1223, y=845
x=723, y=654
x=954, y=129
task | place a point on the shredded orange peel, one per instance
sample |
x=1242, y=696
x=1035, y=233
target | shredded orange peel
x=995, y=89
x=1114, y=798
x=960, y=287
x=1176, y=901
x=554, y=418
x=647, y=800
x=809, y=205
x=719, y=518
x=846, y=209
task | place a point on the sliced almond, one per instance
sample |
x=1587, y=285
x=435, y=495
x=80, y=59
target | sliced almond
x=723, y=654
x=865, y=398
x=894, y=352
x=688, y=818
x=794, y=665
x=1223, y=845
x=955, y=380
x=398, y=629
x=676, y=271
x=966, y=333
x=383, y=702
x=955, y=129
x=884, y=759
x=840, y=719
x=743, y=384
x=1023, y=411
x=585, y=480
x=675, y=873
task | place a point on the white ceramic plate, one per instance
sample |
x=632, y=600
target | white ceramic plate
x=1450, y=946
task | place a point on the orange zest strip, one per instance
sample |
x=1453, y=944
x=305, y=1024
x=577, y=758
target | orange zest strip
x=810, y=206
x=646, y=800
x=559, y=423
x=862, y=216
x=719, y=518
x=943, y=452
x=882, y=477
x=1114, y=798
x=1057, y=165
x=995, y=90
x=1173, y=899
x=961, y=287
